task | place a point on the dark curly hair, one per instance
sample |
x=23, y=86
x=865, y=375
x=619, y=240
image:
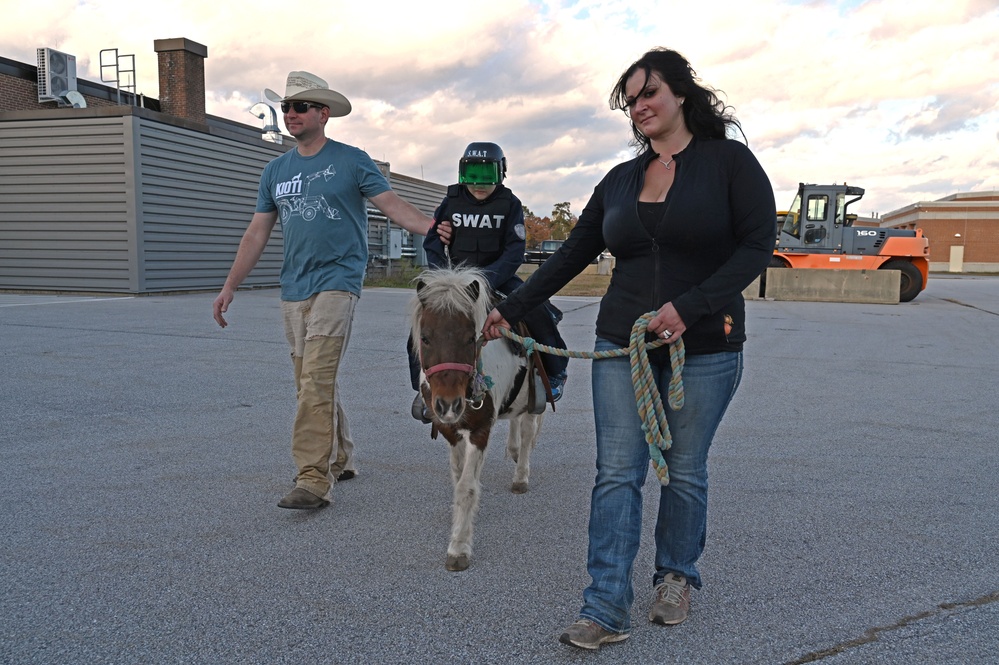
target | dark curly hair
x=706, y=116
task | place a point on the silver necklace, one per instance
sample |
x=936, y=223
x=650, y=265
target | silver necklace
x=666, y=164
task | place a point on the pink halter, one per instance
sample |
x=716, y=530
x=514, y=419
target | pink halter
x=460, y=367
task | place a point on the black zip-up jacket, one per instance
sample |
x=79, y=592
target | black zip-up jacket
x=716, y=235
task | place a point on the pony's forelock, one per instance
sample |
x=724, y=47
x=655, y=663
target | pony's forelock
x=446, y=290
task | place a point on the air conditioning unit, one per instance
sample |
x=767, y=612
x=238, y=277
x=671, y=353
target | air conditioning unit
x=56, y=75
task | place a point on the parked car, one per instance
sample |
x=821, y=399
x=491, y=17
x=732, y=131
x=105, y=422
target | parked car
x=544, y=250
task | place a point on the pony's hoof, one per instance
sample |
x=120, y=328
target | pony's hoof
x=519, y=488
x=457, y=563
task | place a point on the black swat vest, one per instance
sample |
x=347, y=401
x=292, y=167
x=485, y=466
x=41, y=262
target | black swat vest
x=478, y=228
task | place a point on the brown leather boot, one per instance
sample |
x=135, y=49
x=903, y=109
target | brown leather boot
x=302, y=499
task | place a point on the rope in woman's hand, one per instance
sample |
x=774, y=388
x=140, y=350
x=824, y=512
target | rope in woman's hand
x=647, y=397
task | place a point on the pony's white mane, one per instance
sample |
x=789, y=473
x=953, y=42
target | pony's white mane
x=446, y=290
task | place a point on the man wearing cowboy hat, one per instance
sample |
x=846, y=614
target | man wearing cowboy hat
x=318, y=192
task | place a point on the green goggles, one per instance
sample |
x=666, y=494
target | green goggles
x=478, y=173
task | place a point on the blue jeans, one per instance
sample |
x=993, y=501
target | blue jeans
x=709, y=382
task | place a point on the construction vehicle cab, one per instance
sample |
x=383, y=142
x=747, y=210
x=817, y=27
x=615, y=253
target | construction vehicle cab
x=818, y=232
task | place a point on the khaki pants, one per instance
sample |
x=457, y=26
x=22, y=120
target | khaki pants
x=318, y=330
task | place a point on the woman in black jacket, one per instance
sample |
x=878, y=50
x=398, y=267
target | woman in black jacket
x=691, y=222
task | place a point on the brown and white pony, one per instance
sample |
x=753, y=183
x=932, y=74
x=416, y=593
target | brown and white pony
x=467, y=387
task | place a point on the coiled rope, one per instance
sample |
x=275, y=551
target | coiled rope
x=647, y=397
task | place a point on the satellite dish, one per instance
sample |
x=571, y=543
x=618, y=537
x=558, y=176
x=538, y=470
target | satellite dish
x=75, y=99
x=259, y=109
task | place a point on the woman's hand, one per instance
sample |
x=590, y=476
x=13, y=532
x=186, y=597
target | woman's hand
x=667, y=324
x=495, y=321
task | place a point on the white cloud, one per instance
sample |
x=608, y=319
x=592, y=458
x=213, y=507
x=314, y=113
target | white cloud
x=897, y=96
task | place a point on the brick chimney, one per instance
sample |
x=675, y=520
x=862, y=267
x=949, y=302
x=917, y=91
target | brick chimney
x=182, y=77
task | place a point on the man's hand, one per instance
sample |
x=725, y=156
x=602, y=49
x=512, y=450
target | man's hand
x=250, y=248
x=221, y=305
x=444, y=231
x=495, y=321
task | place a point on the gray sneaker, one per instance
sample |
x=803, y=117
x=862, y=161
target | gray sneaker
x=671, y=601
x=587, y=634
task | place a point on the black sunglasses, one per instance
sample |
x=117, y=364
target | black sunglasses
x=300, y=107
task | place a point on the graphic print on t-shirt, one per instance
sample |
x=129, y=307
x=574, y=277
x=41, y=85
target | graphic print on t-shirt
x=293, y=198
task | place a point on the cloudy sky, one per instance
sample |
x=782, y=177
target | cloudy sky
x=900, y=97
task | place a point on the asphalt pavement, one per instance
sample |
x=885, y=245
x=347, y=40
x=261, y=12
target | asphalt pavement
x=853, y=505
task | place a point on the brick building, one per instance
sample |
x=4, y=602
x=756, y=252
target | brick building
x=963, y=230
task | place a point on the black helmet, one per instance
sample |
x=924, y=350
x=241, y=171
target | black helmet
x=482, y=164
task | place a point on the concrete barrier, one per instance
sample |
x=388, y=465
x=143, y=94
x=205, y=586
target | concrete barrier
x=754, y=291
x=822, y=285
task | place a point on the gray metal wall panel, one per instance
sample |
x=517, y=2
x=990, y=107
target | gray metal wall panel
x=198, y=193
x=63, y=209
x=424, y=195
x=126, y=203
x=133, y=188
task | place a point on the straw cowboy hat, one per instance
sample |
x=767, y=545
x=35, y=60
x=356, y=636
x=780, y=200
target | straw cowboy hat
x=306, y=87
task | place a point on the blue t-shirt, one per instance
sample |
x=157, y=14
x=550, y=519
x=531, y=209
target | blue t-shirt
x=321, y=204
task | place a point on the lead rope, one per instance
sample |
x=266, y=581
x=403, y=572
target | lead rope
x=647, y=397
x=447, y=247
